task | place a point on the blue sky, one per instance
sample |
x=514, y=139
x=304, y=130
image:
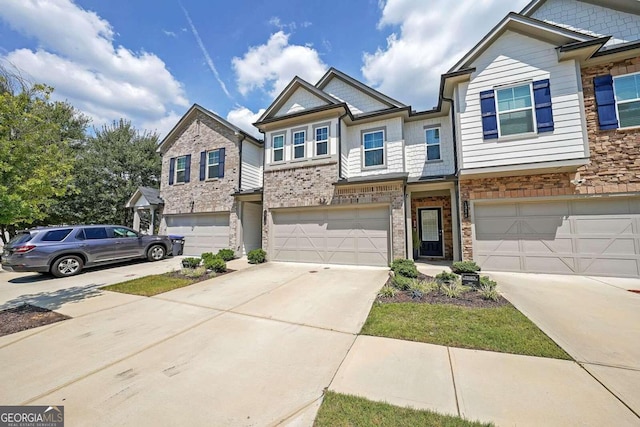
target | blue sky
x=148, y=61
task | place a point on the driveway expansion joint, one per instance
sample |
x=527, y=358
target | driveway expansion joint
x=453, y=379
x=608, y=389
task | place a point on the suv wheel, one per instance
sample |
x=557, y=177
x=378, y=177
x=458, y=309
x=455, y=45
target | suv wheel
x=156, y=253
x=67, y=265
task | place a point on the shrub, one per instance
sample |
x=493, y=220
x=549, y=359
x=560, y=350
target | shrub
x=404, y=267
x=446, y=277
x=191, y=262
x=215, y=264
x=387, y=292
x=194, y=272
x=424, y=286
x=452, y=289
x=488, y=289
x=256, y=256
x=226, y=254
x=403, y=283
x=207, y=255
x=465, y=267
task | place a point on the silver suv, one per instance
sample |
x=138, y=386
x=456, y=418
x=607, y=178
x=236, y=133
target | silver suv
x=66, y=250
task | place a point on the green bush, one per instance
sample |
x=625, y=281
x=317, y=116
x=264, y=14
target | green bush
x=226, y=254
x=256, y=256
x=403, y=283
x=452, y=289
x=194, y=273
x=387, y=292
x=216, y=264
x=487, y=283
x=404, y=267
x=191, y=262
x=424, y=286
x=446, y=277
x=487, y=289
x=465, y=267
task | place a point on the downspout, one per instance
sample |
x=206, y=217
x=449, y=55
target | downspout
x=456, y=172
x=240, y=168
x=340, y=144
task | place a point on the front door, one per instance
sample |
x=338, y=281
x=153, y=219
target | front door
x=430, y=230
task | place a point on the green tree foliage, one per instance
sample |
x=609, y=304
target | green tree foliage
x=36, y=161
x=110, y=166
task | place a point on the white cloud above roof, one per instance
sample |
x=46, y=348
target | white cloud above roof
x=76, y=55
x=271, y=66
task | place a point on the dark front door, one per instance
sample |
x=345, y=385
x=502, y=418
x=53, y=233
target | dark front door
x=430, y=229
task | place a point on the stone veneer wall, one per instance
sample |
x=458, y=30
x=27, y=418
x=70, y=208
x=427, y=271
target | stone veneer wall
x=443, y=202
x=312, y=186
x=210, y=196
x=614, y=166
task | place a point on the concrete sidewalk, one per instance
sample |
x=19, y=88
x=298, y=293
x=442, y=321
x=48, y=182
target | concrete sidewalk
x=478, y=385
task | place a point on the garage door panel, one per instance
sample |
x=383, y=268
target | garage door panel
x=580, y=236
x=202, y=233
x=558, y=209
x=357, y=236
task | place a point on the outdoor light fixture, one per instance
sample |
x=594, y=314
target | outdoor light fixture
x=465, y=209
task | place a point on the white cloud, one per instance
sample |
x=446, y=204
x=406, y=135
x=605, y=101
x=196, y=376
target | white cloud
x=271, y=66
x=169, y=33
x=430, y=41
x=78, y=57
x=244, y=119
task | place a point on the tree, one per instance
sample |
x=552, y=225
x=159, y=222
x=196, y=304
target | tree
x=109, y=167
x=36, y=161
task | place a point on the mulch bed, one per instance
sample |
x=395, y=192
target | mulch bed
x=26, y=317
x=179, y=275
x=471, y=298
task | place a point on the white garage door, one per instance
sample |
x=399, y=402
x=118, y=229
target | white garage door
x=354, y=236
x=582, y=236
x=202, y=233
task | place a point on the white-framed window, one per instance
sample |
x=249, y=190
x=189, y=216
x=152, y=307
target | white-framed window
x=213, y=164
x=627, y=92
x=322, y=140
x=432, y=138
x=181, y=168
x=515, y=109
x=298, y=144
x=373, y=148
x=278, y=148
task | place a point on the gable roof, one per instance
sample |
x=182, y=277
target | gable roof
x=523, y=25
x=286, y=93
x=188, y=116
x=151, y=195
x=379, y=96
x=629, y=6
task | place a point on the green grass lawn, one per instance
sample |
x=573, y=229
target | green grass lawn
x=339, y=410
x=150, y=285
x=502, y=329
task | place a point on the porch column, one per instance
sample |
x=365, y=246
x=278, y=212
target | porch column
x=455, y=223
x=408, y=225
x=136, y=219
x=152, y=210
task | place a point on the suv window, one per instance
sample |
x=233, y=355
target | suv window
x=19, y=238
x=55, y=235
x=119, y=232
x=95, y=233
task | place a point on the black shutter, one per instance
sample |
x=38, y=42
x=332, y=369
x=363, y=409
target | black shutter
x=544, y=111
x=172, y=169
x=187, y=168
x=606, y=102
x=203, y=165
x=489, y=118
x=221, y=163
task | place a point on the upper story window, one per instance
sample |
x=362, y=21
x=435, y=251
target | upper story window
x=322, y=140
x=298, y=144
x=213, y=164
x=181, y=169
x=373, y=148
x=515, y=110
x=432, y=136
x=278, y=148
x=627, y=96
x=518, y=109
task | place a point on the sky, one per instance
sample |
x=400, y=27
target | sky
x=148, y=61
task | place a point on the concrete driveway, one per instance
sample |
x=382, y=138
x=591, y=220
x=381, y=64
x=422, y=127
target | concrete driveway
x=595, y=319
x=255, y=347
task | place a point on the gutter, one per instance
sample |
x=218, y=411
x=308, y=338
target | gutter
x=456, y=172
x=340, y=144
